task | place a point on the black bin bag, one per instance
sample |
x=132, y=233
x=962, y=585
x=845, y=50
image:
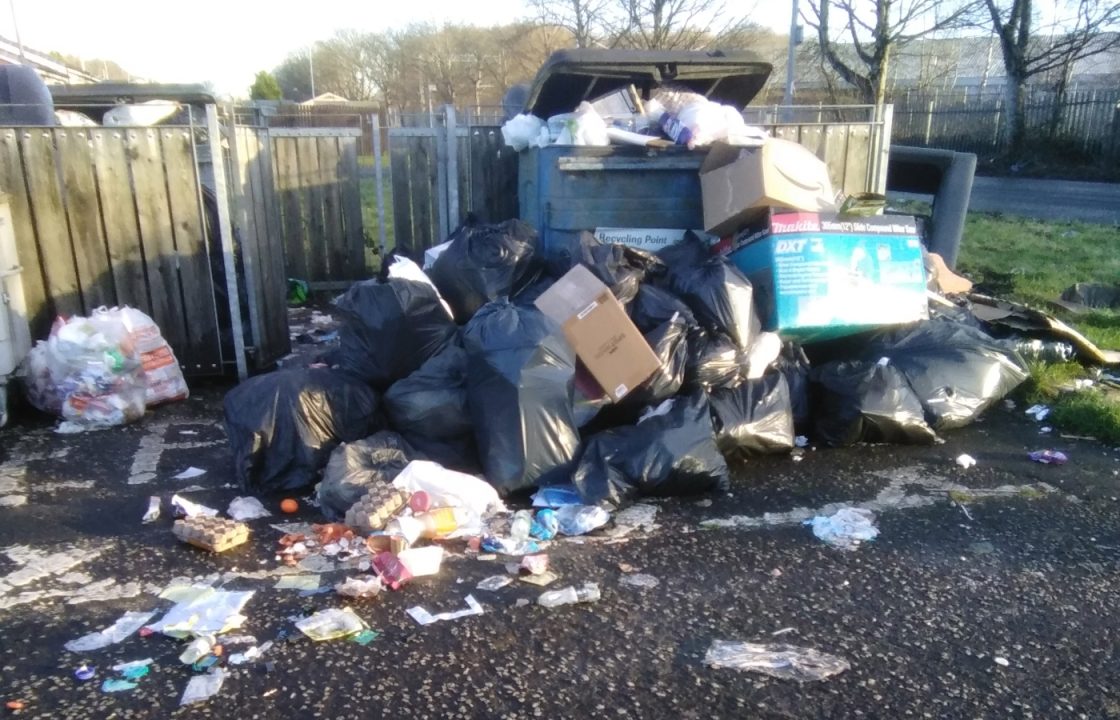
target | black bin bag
x=866, y=401
x=956, y=370
x=754, y=417
x=520, y=378
x=356, y=467
x=283, y=426
x=485, y=262
x=619, y=267
x=429, y=409
x=654, y=306
x=713, y=360
x=717, y=292
x=671, y=452
x=794, y=364
x=390, y=328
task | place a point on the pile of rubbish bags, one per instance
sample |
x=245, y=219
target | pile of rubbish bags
x=463, y=371
x=103, y=370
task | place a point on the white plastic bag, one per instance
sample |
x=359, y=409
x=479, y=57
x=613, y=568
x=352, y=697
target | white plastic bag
x=584, y=127
x=785, y=662
x=846, y=528
x=162, y=376
x=448, y=488
x=522, y=131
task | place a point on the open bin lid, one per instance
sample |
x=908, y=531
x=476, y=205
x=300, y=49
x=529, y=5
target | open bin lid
x=569, y=77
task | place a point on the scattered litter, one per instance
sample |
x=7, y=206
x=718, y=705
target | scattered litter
x=186, y=508
x=639, y=580
x=589, y=593
x=801, y=441
x=246, y=508
x=113, y=685
x=297, y=582
x=544, y=579
x=211, y=533
x=127, y=624
x=331, y=624
x=845, y=529
x=1038, y=412
x=365, y=637
x=84, y=672
x=1010, y=404
x=195, y=650
x=534, y=564
x=189, y=474
x=1046, y=430
x=203, y=611
x=152, y=514
x=783, y=631
x=251, y=654
x=424, y=617
x=289, y=506
x=966, y=461
x=131, y=665
x=982, y=548
x=581, y=519
x=422, y=561
x=785, y=662
x=557, y=496
x=1002, y=661
x=494, y=582
x=359, y=587
x=641, y=516
x=202, y=687
x=1049, y=457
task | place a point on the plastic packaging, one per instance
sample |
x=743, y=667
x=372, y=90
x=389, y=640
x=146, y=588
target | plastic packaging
x=283, y=426
x=163, y=379
x=429, y=409
x=785, y=662
x=494, y=582
x=246, y=508
x=580, y=519
x=520, y=381
x=520, y=525
x=671, y=452
x=125, y=625
x=523, y=131
x=582, y=127
x=424, y=617
x=485, y=262
x=545, y=524
x=331, y=624
x=846, y=528
x=1049, y=457
x=754, y=417
x=570, y=595
x=390, y=329
x=860, y=401
x=694, y=121
x=447, y=488
x=392, y=571
x=1049, y=351
x=355, y=467
x=359, y=587
x=422, y=561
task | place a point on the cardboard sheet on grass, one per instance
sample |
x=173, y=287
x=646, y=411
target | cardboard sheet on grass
x=1021, y=318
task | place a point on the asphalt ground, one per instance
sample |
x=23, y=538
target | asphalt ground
x=958, y=578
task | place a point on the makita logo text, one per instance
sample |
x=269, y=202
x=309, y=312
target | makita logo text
x=801, y=224
x=790, y=246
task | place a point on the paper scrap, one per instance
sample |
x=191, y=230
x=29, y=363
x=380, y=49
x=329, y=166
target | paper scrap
x=424, y=617
x=127, y=624
x=246, y=508
x=331, y=624
x=152, y=513
x=202, y=687
x=189, y=473
x=188, y=508
x=297, y=582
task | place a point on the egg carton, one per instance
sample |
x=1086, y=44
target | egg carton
x=376, y=508
x=211, y=533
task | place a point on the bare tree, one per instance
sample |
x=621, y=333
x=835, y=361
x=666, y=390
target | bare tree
x=1077, y=29
x=673, y=24
x=584, y=19
x=876, y=30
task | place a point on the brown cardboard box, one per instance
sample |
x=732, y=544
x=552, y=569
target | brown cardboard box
x=739, y=183
x=598, y=329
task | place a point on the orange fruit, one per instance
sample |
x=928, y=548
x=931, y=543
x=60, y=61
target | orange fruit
x=289, y=505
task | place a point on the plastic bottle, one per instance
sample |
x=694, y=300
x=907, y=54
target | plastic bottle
x=589, y=593
x=521, y=525
x=392, y=571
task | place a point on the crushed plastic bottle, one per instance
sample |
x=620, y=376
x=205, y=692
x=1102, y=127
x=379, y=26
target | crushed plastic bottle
x=545, y=525
x=581, y=519
x=589, y=593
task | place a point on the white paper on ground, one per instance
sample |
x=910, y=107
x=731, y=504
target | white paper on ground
x=202, y=687
x=191, y=472
x=246, y=508
x=189, y=508
x=209, y=612
x=424, y=617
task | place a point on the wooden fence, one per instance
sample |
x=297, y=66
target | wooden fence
x=320, y=204
x=111, y=217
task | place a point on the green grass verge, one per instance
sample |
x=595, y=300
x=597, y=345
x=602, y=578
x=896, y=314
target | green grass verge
x=1033, y=262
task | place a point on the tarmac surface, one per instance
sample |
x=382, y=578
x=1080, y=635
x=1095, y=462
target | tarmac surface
x=1091, y=202
x=970, y=603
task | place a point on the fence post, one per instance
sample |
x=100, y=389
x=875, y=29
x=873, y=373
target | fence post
x=999, y=117
x=225, y=231
x=929, y=121
x=452, y=171
x=375, y=121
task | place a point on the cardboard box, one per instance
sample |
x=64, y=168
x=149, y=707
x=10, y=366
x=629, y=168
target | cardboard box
x=600, y=331
x=817, y=277
x=739, y=183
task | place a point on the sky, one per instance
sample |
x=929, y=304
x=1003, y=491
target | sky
x=227, y=41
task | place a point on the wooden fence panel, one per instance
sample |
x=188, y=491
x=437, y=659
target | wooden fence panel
x=353, y=234
x=122, y=231
x=400, y=173
x=83, y=212
x=40, y=312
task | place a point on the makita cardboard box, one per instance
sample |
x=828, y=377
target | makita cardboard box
x=817, y=276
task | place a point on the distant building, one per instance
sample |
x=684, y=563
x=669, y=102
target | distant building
x=52, y=71
x=327, y=98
